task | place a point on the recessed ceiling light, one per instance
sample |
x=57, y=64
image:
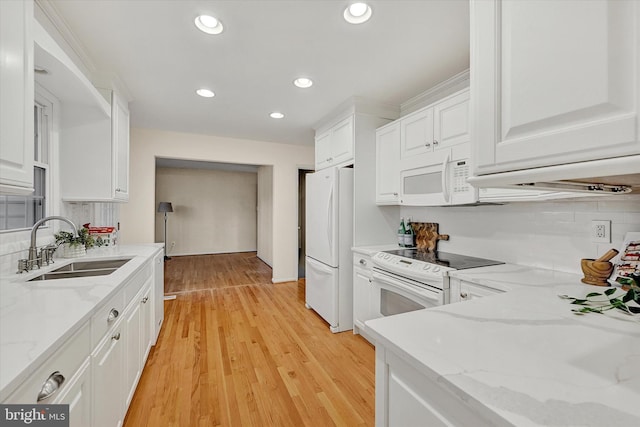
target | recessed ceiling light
x=209, y=24
x=357, y=13
x=276, y=115
x=205, y=93
x=303, y=82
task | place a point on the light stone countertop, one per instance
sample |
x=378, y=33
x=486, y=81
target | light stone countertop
x=508, y=277
x=372, y=250
x=522, y=356
x=36, y=318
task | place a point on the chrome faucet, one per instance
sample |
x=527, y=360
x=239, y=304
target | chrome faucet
x=35, y=259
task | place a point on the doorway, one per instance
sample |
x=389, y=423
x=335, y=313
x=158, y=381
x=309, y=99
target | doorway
x=301, y=220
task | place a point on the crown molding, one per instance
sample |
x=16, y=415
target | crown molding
x=357, y=105
x=451, y=85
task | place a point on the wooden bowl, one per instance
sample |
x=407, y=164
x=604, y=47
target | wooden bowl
x=596, y=272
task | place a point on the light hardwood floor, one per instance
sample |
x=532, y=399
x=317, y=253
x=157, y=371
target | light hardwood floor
x=241, y=351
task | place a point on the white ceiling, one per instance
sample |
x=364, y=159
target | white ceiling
x=153, y=46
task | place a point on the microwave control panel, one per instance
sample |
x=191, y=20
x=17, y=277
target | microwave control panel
x=460, y=175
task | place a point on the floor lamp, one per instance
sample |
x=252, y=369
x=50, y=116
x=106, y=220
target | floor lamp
x=165, y=207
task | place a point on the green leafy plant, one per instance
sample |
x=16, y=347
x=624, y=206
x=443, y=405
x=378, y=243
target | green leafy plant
x=83, y=238
x=612, y=298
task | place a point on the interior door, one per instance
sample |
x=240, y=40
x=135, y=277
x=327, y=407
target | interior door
x=321, y=216
x=321, y=290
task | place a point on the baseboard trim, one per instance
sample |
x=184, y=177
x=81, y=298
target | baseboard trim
x=274, y=280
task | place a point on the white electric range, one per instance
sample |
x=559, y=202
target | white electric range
x=410, y=279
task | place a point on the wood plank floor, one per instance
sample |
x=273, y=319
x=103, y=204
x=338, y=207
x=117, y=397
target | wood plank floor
x=250, y=355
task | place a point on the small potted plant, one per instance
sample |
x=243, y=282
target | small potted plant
x=73, y=246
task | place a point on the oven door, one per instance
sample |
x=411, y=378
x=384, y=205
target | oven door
x=394, y=295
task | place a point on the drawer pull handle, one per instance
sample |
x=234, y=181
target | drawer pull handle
x=363, y=262
x=113, y=315
x=463, y=295
x=145, y=299
x=116, y=337
x=50, y=386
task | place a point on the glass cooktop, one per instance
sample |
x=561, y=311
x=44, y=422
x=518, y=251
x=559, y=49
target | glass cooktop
x=459, y=262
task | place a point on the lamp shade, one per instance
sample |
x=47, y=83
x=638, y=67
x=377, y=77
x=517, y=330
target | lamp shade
x=165, y=207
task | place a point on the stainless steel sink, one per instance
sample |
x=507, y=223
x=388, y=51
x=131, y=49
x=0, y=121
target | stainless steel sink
x=101, y=267
x=94, y=265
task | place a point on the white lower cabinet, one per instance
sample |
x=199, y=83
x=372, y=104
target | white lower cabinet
x=405, y=396
x=464, y=290
x=361, y=292
x=97, y=370
x=78, y=396
x=108, y=381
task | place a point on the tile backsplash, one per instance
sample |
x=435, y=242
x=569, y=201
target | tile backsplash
x=551, y=235
x=14, y=246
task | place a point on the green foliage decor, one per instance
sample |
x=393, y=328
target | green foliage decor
x=599, y=302
x=83, y=238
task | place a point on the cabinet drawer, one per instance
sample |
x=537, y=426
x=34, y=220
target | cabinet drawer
x=66, y=361
x=106, y=316
x=134, y=285
x=362, y=261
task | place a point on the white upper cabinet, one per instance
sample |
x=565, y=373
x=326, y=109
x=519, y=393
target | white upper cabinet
x=95, y=157
x=436, y=127
x=334, y=146
x=388, y=164
x=553, y=82
x=16, y=101
x=120, y=142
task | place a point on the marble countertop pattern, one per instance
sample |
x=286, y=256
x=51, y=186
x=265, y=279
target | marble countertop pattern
x=524, y=357
x=508, y=277
x=36, y=318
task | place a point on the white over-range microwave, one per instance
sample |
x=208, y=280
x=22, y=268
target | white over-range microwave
x=440, y=184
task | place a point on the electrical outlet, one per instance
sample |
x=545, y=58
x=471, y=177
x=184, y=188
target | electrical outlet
x=601, y=231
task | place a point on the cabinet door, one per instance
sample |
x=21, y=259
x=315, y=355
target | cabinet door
x=77, y=394
x=388, y=165
x=342, y=141
x=132, y=349
x=323, y=150
x=120, y=135
x=158, y=295
x=361, y=296
x=108, y=397
x=146, y=322
x=416, y=138
x=451, y=121
x=16, y=102
x=553, y=82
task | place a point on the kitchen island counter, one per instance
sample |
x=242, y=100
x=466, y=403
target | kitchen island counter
x=520, y=358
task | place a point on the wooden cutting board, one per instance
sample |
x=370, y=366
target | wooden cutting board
x=427, y=235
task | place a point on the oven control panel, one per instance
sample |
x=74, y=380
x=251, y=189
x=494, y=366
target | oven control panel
x=415, y=269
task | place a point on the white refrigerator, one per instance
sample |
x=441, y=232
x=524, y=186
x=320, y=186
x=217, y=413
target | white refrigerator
x=329, y=237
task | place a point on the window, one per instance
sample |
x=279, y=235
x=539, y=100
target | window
x=19, y=212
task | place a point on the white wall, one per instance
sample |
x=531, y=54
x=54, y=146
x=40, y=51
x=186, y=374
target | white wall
x=136, y=217
x=551, y=235
x=265, y=214
x=214, y=211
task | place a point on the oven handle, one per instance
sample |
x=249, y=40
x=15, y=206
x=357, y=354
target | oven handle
x=434, y=295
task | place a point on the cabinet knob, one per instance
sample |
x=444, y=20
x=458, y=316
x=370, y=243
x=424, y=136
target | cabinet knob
x=363, y=262
x=464, y=295
x=116, y=337
x=145, y=299
x=428, y=145
x=435, y=142
x=113, y=315
x=51, y=385
x=395, y=194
